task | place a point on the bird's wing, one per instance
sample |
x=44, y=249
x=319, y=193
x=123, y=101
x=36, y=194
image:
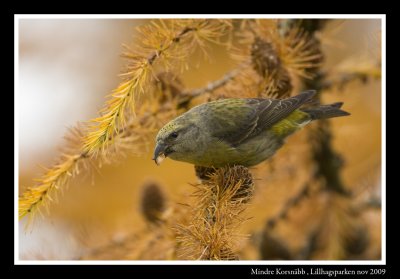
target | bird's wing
x=280, y=109
x=252, y=116
x=231, y=120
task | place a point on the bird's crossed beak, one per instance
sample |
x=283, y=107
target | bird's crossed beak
x=159, y=153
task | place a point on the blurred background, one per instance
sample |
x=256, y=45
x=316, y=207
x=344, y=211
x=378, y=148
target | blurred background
x=68, y=66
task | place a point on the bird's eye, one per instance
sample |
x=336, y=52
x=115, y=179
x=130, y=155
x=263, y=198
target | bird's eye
x=173, y=135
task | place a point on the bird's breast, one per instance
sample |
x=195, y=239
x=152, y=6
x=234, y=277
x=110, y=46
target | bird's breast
x=217, y=153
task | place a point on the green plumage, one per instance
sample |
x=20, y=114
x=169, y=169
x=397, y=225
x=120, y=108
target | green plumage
x=237, y=131
x=291, y=123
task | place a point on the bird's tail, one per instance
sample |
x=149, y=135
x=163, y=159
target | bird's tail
x=326, y=111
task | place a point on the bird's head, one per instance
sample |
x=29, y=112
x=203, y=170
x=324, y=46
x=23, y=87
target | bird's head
x=175, y=140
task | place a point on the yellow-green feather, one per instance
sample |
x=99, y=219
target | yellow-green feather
x=291, y=123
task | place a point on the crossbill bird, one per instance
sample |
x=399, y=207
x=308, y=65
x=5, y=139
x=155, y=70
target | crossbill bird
x=238, y=131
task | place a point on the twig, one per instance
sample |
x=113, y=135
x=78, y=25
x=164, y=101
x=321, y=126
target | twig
x=212, y=86
x=189, y=95
x=340, y=81
x=371, y=203
x=217, y=213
